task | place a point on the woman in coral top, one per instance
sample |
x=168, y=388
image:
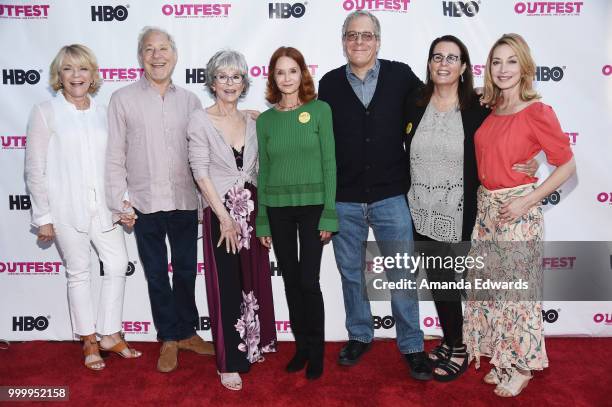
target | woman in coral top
x=497, y=324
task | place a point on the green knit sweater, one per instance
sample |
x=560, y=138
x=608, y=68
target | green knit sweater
x=297, y=163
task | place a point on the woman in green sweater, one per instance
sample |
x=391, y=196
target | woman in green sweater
x=297, y=194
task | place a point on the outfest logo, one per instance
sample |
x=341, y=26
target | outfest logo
x=121, y=74
x=548, y=8
x=30, y=268
x=13, y=142
x=24, y=11
x=263, y=71
x=196, y=10
x=397, y=6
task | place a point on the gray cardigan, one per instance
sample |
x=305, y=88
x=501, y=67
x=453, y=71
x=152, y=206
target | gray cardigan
x=210, y=156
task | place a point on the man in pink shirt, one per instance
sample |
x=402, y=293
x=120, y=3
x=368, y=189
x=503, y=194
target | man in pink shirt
x=149, y=186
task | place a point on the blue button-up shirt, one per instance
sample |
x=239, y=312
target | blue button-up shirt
x=364, y=89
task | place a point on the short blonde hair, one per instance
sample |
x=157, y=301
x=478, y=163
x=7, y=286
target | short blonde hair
x=81, y=55
x=528, y=70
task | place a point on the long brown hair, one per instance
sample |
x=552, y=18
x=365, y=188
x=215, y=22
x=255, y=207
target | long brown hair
x=306, y=91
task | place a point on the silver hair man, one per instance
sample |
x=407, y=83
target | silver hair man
x=144, y=33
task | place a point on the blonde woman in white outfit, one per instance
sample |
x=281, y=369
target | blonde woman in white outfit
x=64, y=168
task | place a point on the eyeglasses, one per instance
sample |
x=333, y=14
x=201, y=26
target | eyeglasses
x=365, y=36
x=222, y=78
x=450, y=58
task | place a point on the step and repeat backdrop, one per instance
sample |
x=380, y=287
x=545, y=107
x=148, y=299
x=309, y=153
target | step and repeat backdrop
x=571, y=42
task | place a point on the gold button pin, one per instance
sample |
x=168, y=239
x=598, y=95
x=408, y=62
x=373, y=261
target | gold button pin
x=408, y=128
x=304, y=117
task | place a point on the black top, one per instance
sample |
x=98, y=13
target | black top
x=472, y=117
x=370, y=157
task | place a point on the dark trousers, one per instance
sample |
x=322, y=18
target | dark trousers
x=230, y=297
x=174, y=310
x=301, y=273
x=448, y=302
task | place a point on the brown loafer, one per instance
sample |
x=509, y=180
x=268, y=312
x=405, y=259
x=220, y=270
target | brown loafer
x=197, y=345
x=168, y=357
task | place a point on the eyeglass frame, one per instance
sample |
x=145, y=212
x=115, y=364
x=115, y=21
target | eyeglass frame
x=445, y=58
x=360, y=35
x=228, y=78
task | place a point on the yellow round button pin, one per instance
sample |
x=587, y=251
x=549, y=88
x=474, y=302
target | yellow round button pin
x=304, y=117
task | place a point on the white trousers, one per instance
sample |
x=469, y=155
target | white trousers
x=75, y=247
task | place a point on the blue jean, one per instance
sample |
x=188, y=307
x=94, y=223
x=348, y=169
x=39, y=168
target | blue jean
x=173, y=307
x=392, y=225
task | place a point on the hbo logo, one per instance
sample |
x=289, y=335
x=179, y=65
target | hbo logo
x=545, y=74
x=460, y=8
x=387, y=322
x=30, y=323
x=286, y=10
x=550, y=316
x=552, y=199
x=20, y=77
x=108, y=13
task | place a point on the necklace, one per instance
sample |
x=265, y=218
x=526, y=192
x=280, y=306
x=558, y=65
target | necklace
x=281, y=107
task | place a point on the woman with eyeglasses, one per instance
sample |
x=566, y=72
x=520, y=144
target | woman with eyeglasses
x=223, y=157
x=441, y=121
x=507, y=325
x=297, y=180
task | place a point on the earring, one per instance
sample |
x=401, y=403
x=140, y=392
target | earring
x=61, y=85
x=461, y=78
x=91, y=85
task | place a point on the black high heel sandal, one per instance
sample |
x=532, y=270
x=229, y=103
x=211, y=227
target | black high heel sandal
x=453, y=370
x=440, y=352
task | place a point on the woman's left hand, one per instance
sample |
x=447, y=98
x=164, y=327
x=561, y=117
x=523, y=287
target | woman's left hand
x=513, y=210
x=253, y=113
x=325, y=236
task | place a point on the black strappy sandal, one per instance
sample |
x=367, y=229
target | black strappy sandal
x=440, y=352
x=453, y=370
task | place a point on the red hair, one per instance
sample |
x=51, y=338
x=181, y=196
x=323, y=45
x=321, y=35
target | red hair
x=306, y=91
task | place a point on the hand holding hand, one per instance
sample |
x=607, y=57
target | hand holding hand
x=128, y=219
x=266, y=241
x=46, y=233
x=325, y=236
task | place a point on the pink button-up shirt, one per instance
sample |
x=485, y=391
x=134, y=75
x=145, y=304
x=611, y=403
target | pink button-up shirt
x=147, y=153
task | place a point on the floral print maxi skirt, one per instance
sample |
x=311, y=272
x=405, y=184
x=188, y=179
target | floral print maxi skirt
x=238, y=287
x=503, y=325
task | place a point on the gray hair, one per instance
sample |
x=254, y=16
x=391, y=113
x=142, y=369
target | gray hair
x=227, y=59
x=358, y=13
x=151, y=30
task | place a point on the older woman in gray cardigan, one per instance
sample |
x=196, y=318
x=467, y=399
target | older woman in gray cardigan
x=223, y=158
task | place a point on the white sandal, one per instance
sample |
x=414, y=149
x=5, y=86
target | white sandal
x=512, y=383
x=231, y=381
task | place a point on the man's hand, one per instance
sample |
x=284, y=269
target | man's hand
x=128, y=219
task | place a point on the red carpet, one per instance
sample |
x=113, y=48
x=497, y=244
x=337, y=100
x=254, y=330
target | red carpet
x=579, y=376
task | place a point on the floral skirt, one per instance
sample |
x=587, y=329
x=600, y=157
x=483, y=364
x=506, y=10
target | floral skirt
x=238, y=287
x=501, y=324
